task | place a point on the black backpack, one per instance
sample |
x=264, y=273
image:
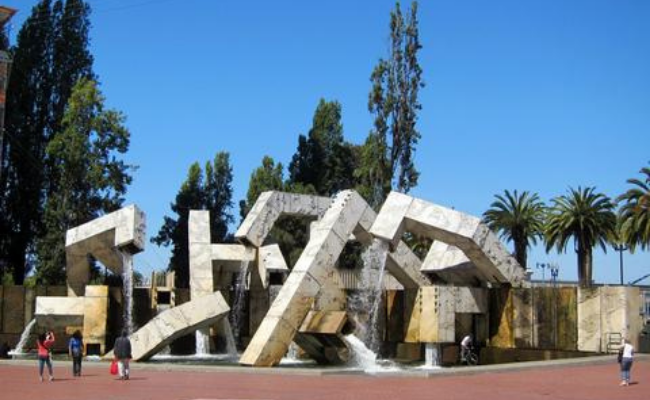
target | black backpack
x=620, y=355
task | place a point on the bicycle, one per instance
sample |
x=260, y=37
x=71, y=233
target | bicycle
x=468, y=357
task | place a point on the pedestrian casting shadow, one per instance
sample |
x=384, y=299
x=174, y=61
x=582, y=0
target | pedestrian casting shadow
x=132, y=379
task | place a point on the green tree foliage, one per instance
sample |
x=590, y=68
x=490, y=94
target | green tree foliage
x=518, y=218
x=585, y=217
x=323, y=159
x=634, y=213
x=50, y=56
x=387, y=158
x=89, y=179
x=212, y=193
x=289, y=233
x=268, y=176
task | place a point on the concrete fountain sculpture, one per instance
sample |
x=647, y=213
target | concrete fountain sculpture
x=451, y=292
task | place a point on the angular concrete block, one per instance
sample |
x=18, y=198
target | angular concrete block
x=405, y=266
x=272, y=205
x=59, y=312
x=480, y=245
x=470, y=300
x=176, y=322
x=107, y=239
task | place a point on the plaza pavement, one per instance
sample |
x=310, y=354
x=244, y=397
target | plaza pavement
x=581, y=379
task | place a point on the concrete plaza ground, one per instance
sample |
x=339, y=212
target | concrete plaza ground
x=590, y=378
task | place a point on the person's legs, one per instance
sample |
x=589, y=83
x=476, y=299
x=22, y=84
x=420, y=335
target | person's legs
x=76, y=365
x=48, y=361
x=126, y=368
x=120, y=368
x=41, y=364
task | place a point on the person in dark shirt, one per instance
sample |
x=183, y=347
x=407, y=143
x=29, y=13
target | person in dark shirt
x=75, y=349
x=122, y=353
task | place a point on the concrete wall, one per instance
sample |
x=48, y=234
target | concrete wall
x=17, y=305
x=562, y=318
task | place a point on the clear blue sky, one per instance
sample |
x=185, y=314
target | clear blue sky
x=535, y=95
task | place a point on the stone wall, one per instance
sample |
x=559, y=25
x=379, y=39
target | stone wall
x=17, y=305
x=562, y=318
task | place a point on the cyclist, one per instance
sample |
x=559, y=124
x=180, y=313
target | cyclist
x=465, y=347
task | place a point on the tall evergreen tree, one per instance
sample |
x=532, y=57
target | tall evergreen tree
x=269, y=176
x=387, y=158
x=212, y=193
x=323, y=159
x=51, y=54
x=218, y=196
x=174, y=231
x=27, y=121
x=91, y=180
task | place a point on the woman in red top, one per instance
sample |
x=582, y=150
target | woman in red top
x=44, y=342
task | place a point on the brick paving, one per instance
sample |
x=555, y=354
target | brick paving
x=597, y=379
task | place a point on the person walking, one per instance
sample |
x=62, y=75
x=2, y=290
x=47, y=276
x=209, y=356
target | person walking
x=122, y=352
x=75, y=349
x=44, y=344
x=627, y=357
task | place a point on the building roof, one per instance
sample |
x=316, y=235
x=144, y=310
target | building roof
x=5, y=14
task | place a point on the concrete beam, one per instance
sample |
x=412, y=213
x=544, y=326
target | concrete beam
x=401, y=213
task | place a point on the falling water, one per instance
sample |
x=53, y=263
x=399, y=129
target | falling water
x=369, y=296
x=127, y=289
x=231, y=347
x=24, y=337
x=202, y=342
x=239, y=301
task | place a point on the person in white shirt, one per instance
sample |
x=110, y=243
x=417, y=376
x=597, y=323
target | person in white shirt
x=465, y=345
x=627, y=357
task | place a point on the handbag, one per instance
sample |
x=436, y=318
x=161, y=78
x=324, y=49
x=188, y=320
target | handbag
x=113, y=367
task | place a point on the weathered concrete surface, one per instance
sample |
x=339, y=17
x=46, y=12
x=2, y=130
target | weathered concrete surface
x=212, y=263
x=89, y=312
x=176, y=322
x=59, y=312
x=449, y=264
x=348, y=216
x=105, y=238
x=310, y=275
x=95, y=316
x=320, y=337
x=402, y=213
x=604, y=310
x=272, y=205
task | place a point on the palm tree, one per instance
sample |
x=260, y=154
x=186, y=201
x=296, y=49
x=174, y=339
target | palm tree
x=587, y=218
x=635, y=213
x=518, y=218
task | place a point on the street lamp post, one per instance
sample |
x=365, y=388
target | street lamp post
x=555, y=271
x=543, y=267
x=620, y=248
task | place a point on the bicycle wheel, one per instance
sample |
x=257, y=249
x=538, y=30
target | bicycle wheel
x=472, y=359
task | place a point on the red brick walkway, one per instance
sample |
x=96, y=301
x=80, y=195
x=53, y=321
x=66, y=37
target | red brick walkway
x=20, y=382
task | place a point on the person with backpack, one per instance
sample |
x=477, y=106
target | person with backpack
x=75, y=349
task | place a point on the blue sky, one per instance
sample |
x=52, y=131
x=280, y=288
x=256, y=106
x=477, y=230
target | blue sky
x=537, y=95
